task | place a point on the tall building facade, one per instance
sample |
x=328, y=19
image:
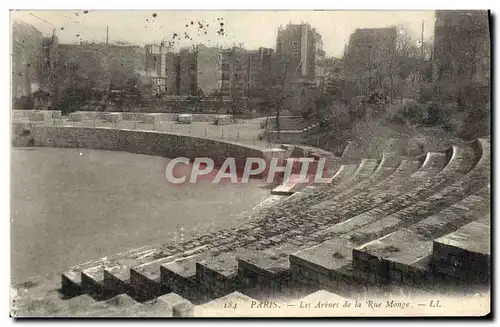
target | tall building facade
x=27, y=43
x=198, y=70
x=234, y=68
x=301, y=46
x=259, y=63
x=161, y=70
x=105, y=65
x=462, y=46
x=34, y=59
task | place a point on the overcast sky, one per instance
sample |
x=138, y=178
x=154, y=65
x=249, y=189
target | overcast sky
x=252, y=28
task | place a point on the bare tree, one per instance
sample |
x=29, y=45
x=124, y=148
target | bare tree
x=277, y=86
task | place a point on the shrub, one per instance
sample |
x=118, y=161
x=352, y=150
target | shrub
x=435, y=114
x=406, y=113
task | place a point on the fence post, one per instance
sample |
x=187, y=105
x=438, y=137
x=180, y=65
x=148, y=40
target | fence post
x=222, y=131
x=317, y=142
x=205, y=132
x=94, y=123
x=135, y=124
x=238, y=137
x=171, y=127
x=153, y=125
x=189, y=129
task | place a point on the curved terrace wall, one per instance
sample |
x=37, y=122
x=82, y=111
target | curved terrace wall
x=141, y=142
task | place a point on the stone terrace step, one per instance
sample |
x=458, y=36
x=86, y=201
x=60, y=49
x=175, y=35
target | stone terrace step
x=366, y=212
x=265, y=274
x=71, y=279
x=340, y=182
x=390, y=167
x=366, y=168
x=117, y=275
x=343, y=175
x=436, y=224
x=367, y=200
x=179, y=276
x=406, y=253
x=217, y=276
x=465, y=253
x=454, y=216
x=145, y=279
x=317, y=267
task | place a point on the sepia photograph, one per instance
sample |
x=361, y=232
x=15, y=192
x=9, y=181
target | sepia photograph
x=250, y=163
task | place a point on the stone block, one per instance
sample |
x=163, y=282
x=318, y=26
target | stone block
x=284, y=190
x=93, y=279
x=224, y=119
x=325, y=257
x=179, y=276
x=76, y=116
x=152, y=118
x=263, y=274
x=217, y=275
x=113, y=117
x=71, y=282
x=116, y=279
x=465, y=253
x=56, y=114
x=145, y=279
x=36, y=116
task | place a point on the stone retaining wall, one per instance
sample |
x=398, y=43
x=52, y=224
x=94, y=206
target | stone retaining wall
x=140, y=142
x=141, y=116
x=36, y=114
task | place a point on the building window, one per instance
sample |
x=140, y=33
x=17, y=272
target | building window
x=225, y=77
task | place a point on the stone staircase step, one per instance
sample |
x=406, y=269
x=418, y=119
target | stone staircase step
x=179, y=276
x=454, y=216
x=145, y=279
x=374, y=230
x=117, y=273
x=217, y=276
x=402, y=247
x=117, y=276
x=437, y=189
x=465, y=253
x=264, y=274
x=71, y=280
x=116, y=279
x=316, y=267
x=343, y=175
x=283, y=189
